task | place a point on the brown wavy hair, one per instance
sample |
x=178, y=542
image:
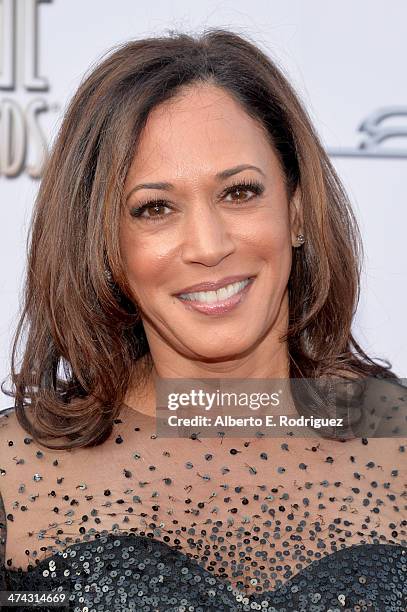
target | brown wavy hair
x=84, y=334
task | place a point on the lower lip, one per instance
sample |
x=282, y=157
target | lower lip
x=219, y=307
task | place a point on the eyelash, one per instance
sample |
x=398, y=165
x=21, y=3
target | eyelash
x=249, y=185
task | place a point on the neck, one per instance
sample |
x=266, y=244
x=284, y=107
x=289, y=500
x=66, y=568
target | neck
x=268, y=360
x=261, y=363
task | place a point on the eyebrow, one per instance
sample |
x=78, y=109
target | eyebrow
x=224, y=174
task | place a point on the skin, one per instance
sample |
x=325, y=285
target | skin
x=205, y=235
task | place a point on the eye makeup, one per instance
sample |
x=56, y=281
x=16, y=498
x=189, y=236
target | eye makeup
x=155, y=204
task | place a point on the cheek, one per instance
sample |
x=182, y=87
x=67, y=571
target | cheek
x=269, y=235
x=146, y=260
x=270, y=242
x=142, y=272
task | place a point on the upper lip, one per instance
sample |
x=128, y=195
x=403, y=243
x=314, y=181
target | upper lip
x=213, y=285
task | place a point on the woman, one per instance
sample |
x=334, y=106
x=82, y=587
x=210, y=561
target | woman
x=190, y=225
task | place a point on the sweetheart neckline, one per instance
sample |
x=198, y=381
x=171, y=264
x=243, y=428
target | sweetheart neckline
x=145, y=539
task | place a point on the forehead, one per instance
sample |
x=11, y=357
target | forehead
x=200, y=131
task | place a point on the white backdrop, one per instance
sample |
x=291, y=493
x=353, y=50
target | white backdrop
x=346, y=60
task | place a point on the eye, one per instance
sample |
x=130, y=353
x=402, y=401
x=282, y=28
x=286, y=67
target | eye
x=156, y=207
x=242, y=188
x=153, y=206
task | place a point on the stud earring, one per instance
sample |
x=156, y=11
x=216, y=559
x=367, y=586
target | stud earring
x=300, y=238
x=108, y=276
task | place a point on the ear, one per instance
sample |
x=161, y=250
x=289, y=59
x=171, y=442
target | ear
x=296, y=216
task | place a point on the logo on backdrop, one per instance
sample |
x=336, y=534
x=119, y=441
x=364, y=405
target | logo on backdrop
x=376, y=129
x=21, y=134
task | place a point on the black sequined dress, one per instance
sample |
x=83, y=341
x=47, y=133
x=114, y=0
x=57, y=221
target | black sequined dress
x=151, y=524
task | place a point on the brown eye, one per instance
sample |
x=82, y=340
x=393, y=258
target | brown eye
x=154, y=208
x=243, y=192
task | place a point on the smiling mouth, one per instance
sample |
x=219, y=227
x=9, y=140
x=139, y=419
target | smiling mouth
x=219, y=302
x=219, y=295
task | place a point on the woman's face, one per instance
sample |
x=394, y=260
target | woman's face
x=222, y=211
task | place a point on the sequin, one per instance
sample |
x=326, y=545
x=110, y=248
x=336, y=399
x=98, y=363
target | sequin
x=208, y=525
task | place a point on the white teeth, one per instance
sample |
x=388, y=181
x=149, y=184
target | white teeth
x=209, y=297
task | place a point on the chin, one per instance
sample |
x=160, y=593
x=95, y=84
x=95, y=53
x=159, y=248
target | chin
x=219, y=350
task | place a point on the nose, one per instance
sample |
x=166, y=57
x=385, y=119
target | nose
x=207, y=239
